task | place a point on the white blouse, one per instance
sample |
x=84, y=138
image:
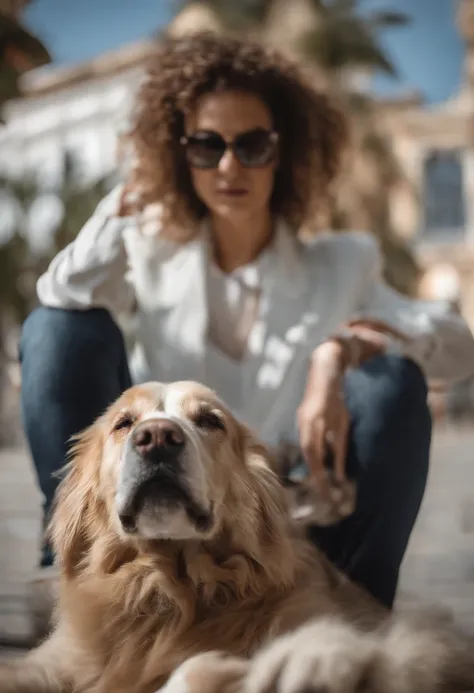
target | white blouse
x=233, y=306
x=197, y=323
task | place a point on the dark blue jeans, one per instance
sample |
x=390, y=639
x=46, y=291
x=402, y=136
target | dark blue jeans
x=74, y=364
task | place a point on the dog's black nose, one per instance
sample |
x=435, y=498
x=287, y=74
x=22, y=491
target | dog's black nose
x=159, y=437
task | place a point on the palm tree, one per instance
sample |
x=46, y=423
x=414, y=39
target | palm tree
x=20, y=51
x=340, y=43
x=338, y=36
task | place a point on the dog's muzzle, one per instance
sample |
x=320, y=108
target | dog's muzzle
x=153, y=474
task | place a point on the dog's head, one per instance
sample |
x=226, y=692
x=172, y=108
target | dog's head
x=169, y=464
x=167, y=461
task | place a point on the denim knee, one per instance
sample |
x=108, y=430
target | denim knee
x=408, y=411
x=55, y=332
x=66, y=352
x=73, y=366
x=409, y=390
x=389, y=390
x=387, y=401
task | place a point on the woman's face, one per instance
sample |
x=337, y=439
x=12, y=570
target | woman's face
x=231, y=189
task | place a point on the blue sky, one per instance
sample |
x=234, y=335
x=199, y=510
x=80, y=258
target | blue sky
x=428, y=53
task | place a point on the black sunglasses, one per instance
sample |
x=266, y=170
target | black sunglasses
x=253, y=149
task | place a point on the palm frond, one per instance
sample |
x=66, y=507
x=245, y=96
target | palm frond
x=13, y=34
x=338, y=45
x=236, y=16
x=386, y=19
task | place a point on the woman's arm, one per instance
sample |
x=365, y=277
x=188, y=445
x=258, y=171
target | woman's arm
x=91, y=271
x=428, y=332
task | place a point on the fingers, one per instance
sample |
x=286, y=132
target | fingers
x=339, y=447
x=318, y=438
x=312, y=441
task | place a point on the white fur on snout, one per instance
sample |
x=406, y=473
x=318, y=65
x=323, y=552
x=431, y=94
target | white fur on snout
x=192, y=459
x=160, y=520
x=163, y=522
x=201, y=462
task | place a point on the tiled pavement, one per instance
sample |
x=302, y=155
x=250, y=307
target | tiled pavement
x=20, y=518
x=439, y=566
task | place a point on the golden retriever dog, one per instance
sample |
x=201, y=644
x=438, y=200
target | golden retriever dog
x=181, y=570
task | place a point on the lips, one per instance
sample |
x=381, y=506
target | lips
x=233, y=192
x=163, y=489
x=159, y=488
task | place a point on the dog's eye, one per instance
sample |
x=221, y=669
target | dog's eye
x=125, y=422
x=209, y=420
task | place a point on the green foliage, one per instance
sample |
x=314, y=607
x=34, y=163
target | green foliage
x=236, y=15
x=20, y=267
x=19, y=51
x=344, y=37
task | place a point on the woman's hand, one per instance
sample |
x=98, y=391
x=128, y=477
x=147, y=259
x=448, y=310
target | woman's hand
x=323, y=419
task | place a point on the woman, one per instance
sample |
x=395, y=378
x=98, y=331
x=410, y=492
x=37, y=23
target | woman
x=234, y=153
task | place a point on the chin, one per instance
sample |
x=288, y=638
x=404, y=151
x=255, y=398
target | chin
x=156, y=498
x=239, y=208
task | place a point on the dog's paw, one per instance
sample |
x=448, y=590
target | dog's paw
x=307, y=504
x=425, y=654
x=212, y=672
x=325, y=657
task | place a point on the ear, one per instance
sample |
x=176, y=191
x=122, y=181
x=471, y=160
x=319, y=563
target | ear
x=75, y=513
x=263, y=468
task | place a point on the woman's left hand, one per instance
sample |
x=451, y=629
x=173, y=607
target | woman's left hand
x=323, y=419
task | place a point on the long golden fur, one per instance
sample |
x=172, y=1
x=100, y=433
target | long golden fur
x=136, y=606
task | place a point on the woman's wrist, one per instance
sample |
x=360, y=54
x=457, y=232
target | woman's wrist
x=330, y=357
x=344, y=351
x=350, y=347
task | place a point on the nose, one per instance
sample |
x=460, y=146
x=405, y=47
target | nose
x=229, y=163
x=162, y=437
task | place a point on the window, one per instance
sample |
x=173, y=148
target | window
x=443, y=195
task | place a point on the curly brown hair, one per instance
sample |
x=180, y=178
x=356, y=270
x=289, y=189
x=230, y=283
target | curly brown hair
x=312, y=130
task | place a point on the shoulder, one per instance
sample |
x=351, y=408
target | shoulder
x=345, y=262
x=344, y=243
x=355, y=249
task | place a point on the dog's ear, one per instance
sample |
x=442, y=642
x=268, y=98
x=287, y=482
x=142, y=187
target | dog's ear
x=266, y=510
x=76, y=506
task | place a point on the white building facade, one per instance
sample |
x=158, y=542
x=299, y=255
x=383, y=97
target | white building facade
x=77, y=111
